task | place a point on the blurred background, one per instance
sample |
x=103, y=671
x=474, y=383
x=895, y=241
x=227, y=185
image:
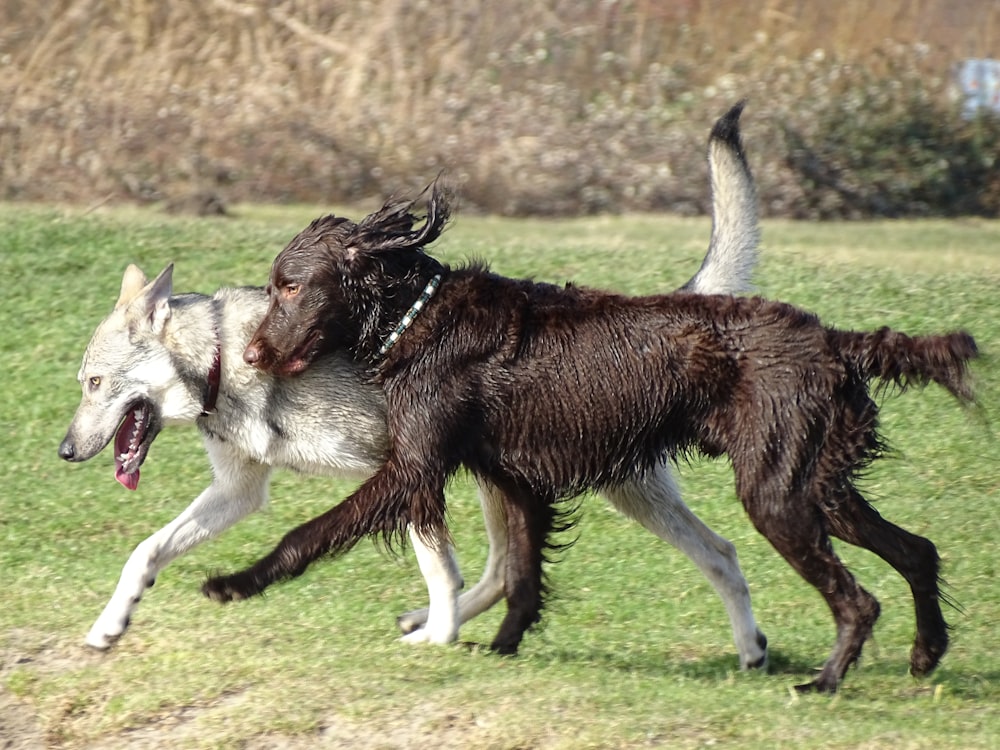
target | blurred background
x=546, y=107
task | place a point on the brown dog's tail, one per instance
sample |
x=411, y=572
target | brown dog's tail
x=894, y=357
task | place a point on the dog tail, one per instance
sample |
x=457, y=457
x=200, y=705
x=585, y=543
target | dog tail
x=732, y=251
x=894, y=357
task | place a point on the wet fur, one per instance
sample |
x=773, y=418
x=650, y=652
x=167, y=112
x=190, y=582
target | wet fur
x=547, y=391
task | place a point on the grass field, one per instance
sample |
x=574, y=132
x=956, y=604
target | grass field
x=635, y=650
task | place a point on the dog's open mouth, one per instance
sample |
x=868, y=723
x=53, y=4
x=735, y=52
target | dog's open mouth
x=135, y=435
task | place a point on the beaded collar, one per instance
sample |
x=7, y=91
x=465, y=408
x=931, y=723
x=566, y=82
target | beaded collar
x=411, y=314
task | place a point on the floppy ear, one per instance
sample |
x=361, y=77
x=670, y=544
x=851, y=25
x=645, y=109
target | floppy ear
x=438, y=212
x=391, y=227
x=132, y=283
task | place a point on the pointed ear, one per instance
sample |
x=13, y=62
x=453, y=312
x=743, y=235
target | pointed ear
x=151, y=305
x=158, y=299
x=132, y=283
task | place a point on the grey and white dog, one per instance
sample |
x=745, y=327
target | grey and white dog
x=161, y=359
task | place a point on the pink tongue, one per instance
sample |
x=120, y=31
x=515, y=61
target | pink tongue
x=122, y=447
x=128, y=481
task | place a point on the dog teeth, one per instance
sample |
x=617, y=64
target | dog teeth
x=138, y=415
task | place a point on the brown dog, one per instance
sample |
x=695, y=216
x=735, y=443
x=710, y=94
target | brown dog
x=547, y=391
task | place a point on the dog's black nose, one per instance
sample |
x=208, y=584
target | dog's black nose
x=67, y=450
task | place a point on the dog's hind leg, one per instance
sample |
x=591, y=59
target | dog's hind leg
x=490, y=587
x=236, y=493
x=444, y=580
x=530, y=520
x=796, y=528
x=654, y=500
x=913, y=557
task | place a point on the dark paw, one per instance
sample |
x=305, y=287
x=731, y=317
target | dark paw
x=925, y=655
x=504, y=649
x=229, y=588
x=819, y=685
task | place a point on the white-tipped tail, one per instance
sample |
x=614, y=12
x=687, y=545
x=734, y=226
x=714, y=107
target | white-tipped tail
x=732, y=251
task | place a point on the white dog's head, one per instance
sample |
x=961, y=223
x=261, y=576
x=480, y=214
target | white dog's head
x=131, y=386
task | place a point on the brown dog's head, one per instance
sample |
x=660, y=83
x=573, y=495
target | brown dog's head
x=344, y=285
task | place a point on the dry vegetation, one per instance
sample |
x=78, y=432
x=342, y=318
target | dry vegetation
x=551, y=107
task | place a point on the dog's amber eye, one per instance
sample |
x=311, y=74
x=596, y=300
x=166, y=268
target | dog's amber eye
x=95, y=382
x=291, y=290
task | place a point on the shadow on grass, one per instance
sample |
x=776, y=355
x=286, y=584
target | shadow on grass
x=785, y=669
x=656, y=663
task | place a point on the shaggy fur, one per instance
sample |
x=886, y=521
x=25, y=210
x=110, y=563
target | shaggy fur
x=548, y=391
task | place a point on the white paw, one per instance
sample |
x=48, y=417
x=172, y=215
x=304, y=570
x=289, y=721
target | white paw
x=106, y=632
x=415, y=636
x=101, y=640
x=441, y=633
x=436, y=635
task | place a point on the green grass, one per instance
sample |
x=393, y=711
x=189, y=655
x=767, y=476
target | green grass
x=635, y=650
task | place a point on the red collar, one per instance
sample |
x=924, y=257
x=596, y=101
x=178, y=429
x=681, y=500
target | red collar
x=214, y=376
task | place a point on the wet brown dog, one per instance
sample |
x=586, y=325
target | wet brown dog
x=547, y=391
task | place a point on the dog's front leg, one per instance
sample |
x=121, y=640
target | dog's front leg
x=490, y=587
x=384, y=504
x=436, y=559
x=220, y=506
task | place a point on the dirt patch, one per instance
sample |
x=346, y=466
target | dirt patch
x=24, y=654
x=19, y=726
x=446, y=732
